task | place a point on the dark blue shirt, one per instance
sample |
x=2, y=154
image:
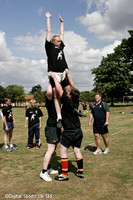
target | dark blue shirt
x=99, y=112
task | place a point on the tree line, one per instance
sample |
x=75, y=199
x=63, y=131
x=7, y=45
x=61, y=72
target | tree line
x=113, y=78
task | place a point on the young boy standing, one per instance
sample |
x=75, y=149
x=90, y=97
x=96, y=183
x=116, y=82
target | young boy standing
x=9, y=122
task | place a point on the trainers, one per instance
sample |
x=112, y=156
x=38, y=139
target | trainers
x=52, y=171
x=80, y=175
x=36, y=148
x=14, y=148
x=62, y=178
x=8, y=149
x=59, y=123
x=107, y=150
x=98, y=151
x=45, y=176
x=28, y=148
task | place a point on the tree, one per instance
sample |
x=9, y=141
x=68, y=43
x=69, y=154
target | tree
x=39, y=96
x=16, y=93
x=36, y=88
x=3, y=94
x=113, y=77
x=86, y=96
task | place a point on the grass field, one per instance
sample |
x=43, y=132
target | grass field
x=107, y=177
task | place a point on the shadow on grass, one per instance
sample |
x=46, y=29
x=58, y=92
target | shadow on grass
x=1, y=145
x=90, y=148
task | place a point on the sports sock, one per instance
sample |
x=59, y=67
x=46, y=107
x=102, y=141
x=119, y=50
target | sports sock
x=64, y=165
x=11, y=145
x=80, y=164
x=49, y=166
x=44, y=170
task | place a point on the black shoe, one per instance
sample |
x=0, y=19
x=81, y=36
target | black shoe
x=79, y=113
x=61, y=178
x=80, y=175
x=59, y=123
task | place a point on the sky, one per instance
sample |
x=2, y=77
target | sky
x=93, y=28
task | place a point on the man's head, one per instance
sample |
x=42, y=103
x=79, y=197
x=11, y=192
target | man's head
x=98, y=97
x=56, y=40
x=74, y=95
x=7, y=101
x=33, y=103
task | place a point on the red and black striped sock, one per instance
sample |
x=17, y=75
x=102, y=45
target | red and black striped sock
x=64, y=165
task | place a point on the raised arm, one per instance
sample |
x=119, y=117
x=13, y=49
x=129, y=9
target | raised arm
x=61, y=31
x=48, y=31
x=69, y=78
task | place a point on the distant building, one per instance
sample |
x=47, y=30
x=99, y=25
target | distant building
x=28, y=97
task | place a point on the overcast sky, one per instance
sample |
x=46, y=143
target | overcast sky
x=92, y=29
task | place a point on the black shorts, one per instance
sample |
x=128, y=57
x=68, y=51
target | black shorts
x=64, y=83
x=72, y=138
x=101, y=129
x=52, y=135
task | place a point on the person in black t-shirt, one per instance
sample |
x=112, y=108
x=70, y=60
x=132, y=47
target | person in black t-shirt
x=72, y=134
x=52, y=134
x=33, y=117
x=9, y=122
x=56, y=63
x=100, y=112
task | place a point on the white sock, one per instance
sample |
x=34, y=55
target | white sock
x=6, y=146
x=11, y=145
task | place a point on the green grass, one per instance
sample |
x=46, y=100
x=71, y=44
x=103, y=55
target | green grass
x=107, y=177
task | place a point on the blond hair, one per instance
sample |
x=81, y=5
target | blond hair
x=54, y=38
x=32, y=101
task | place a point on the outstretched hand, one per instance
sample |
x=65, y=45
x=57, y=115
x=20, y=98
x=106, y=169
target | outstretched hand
x=47, y=14
x=60, y=18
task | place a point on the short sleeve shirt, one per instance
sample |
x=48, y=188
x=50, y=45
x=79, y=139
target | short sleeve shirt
x=7, y=112
x=33, y=115
x=99, y=112
x=56, y=57
x=70, y=118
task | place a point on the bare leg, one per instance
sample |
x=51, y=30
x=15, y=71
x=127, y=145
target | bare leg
x=57, y=104
x=106, y=140
x=5, y=138
x=77, y=152
x=48, y=155
x=97, y=140
x=10, y=137
x=49, y=92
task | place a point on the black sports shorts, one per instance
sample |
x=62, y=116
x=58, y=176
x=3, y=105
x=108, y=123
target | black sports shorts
x=64, y=83
x=52, y=134
x=72, y=137
x=101, y=129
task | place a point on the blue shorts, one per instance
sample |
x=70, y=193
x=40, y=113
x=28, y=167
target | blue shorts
x=10, y=126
